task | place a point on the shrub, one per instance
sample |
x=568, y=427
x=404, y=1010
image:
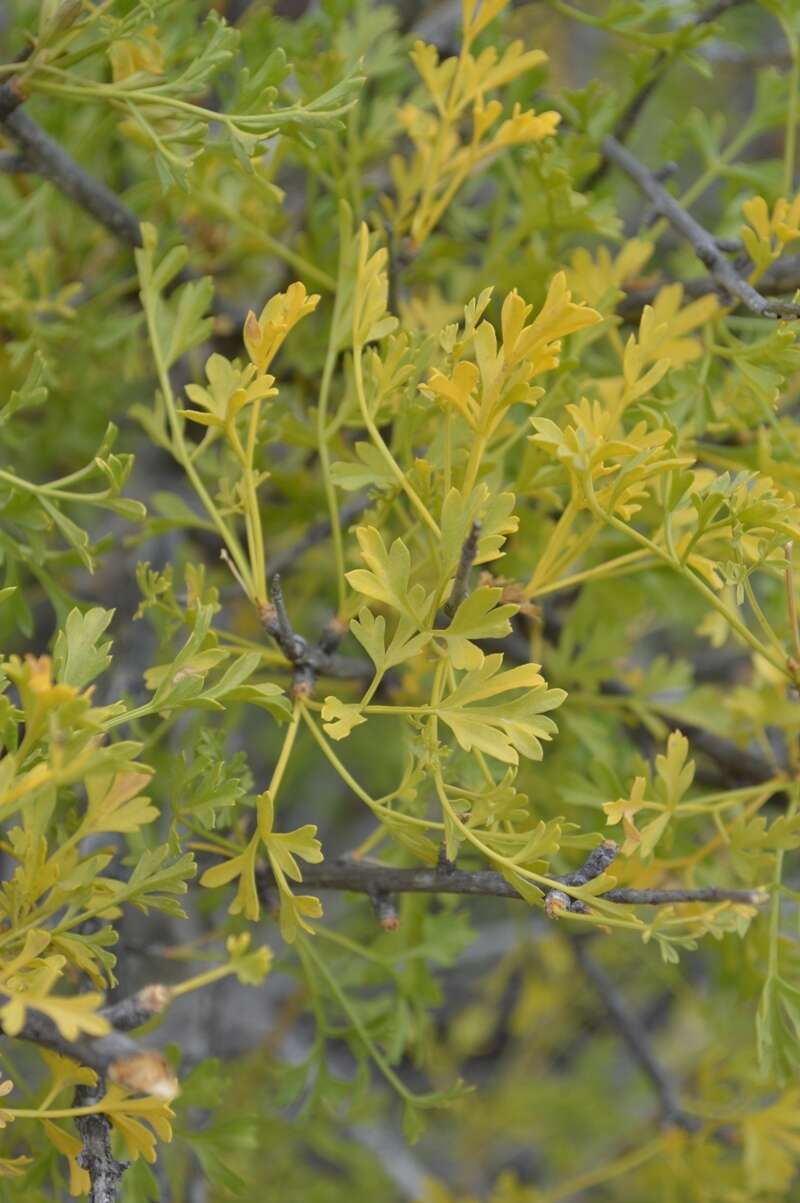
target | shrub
x=399, y=610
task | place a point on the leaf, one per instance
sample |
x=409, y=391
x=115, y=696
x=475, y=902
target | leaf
x=153, y=883
x=369, y=471
x=411, y=837
x=183, y=679
x=185, y=325
x=771, y=1137
x=675, y=773
x=778, y=1028
x=89, y=953
x=282, y=849
x=651, y=833
x=65, y=1073
x=243, y=866
x=510, y=726
x=71, y=1015
x=115, y=803
x=478, y=617
x=71, y=1147
x=413, y=1122
x=751, y=844
x=284, y=846
x=387, y=575
x=77, y=538
x=523, y=885
x=250, y=965
x=266, y=696
x=339, y=718
x=296, y=910
x=405, y=644
x=263, y=336
x=370, y=319
x=124, y=1113
x=211, y=782
x=32, y=393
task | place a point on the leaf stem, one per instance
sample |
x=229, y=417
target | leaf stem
x=391, y=463
x=685, y=570
x=179, y=448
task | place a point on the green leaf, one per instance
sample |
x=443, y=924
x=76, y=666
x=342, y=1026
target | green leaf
x=405, y=644
x=387, y=575
x=79, y=657
x=153, y=883
x=507, y=727
x=32, y=393
x=778, y=1028
x=77, y=538
x=478, y=617
x=369, y=472
x=243, y=866
x=211, y=782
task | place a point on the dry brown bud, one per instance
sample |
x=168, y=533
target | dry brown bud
x=145, y=1073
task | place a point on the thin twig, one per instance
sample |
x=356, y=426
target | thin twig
x=465, y=562
x=703, y=244
x=104, y=1170
x=138, y=1009
x=782, y=276
x=369, y=877
x=633, y=1032
x=47, y=159
x=293, y=646
x=118, y=1058
x=738, y=766
x=309, y=661
x=96, y=1157
x=630, y=114
x=114, y=1055
x=556, y=902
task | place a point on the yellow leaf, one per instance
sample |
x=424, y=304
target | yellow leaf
x=72, y=1016
x=595, y=278
x=263, y=336
x=71, y=1146
x=129, y=56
